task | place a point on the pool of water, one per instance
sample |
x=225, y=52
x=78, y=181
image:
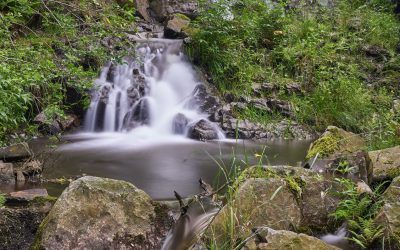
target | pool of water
x=162, y=166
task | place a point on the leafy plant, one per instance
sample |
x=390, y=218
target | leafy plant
x=359, y=211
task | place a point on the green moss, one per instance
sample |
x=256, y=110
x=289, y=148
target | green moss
x=325, y=145
x=295, y=185
x=394, y=172
x=40, y=201
x=39, y=234
x=182, y=16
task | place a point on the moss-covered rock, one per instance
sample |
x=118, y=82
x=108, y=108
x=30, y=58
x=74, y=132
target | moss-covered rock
x=100, y=213
x=385, y=163
x=280, y=197
x=335, y=141
x=389, y=216
x=176, y=26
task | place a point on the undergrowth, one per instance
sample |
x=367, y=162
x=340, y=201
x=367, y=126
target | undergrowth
x=345, y=57
x=50, y=51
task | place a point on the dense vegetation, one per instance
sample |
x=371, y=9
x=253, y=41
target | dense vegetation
x=345, y=57
x=49, y=48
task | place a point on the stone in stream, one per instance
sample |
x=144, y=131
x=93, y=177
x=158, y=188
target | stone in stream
x=203, y=130
x=179, y=124
x=101, y=213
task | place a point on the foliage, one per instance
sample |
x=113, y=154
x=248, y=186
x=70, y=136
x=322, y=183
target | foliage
x=2, y=200
x=359, y=211
x=47, y=48
x=327, y=50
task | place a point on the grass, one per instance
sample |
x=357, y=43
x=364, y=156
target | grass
x=324, y=50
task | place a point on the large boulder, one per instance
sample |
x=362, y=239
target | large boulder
x=351, y=166
x=99, y=213
x=335, y=141
x=385, y=163
x=280, y=197
x=338, y=153
x=268, y=238
x=389, y=216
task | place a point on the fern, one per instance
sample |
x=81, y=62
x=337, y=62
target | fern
x=364, y=232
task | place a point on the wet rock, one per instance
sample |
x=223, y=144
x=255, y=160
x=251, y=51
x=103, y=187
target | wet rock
x=111, y=72
x=268, y=238
x=293, y=89
x=389, y=216
x=7, y=173
x=17, y=151
x=205, y=99
x=335, y=141
x=133, y=94
x=29, y=194
x=100, y=213
x=176, y=27
x=179, y=124
x=18, y=225
x=203, y=130
x=385, y=163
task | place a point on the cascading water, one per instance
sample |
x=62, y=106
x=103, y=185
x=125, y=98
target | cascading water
x=147, y=97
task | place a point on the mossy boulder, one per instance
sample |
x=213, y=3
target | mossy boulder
x=389, y=216
x=176, y=26
x=385, y=163
x=98, y=213
x=268, y=238
x=335, y=141
x=280, y=197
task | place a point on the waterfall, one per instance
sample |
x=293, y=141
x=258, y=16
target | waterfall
x=149, y=96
